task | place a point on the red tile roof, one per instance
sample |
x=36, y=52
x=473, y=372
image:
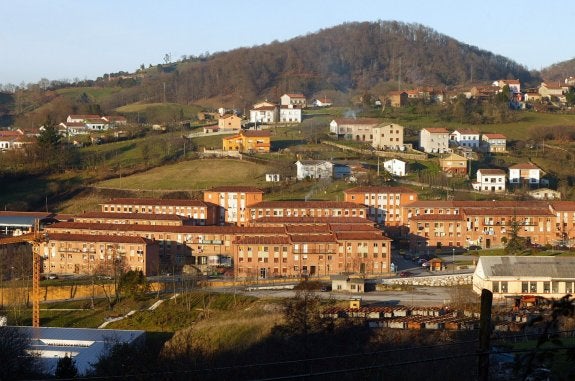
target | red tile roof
x=230, y=229
x=302, y=238
x=86, y=116
x=381, y=190
x=307, y=229
x=354, y=121
x=263, y=240
x=307, y=205
x=436, y=130
x=524, y=166
x=131, y=216
x=491, y=171
x=495, y=136
x=563, y=205
x=236, y=189
x=97, y=238
x=295, y=95
x=360, y=236
x=312, y=220
x=155, y=201
x=438, y=217
x=505, y=211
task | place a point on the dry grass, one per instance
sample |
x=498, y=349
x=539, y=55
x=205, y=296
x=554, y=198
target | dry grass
x=193, y=175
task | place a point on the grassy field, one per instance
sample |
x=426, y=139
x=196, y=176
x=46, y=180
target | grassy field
x=160, y=112
x=193, y=175
x=97, y=93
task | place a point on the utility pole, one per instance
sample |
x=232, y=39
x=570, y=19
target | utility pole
x=484, y=334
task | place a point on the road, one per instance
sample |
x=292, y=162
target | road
x=419, y=296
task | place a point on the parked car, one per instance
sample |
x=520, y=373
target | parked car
x=426, y=264
x=52, y=276
x=405, y=274
x=474, y=247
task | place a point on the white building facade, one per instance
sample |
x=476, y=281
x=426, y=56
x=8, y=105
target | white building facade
x=490, y=180
x=465, y=138
x=434, y=140
x=314, y=169
x=395, y=166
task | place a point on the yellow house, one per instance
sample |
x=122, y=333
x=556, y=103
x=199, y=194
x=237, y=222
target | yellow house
x=229, y=122
x=248, y=141
x=454, y=164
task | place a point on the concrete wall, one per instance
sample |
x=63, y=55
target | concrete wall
x=433, y=281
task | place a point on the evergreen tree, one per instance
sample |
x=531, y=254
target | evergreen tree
x=66, y=368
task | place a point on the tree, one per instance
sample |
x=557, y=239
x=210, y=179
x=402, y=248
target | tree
x=515, y=244
x=16, y=362
x=302, y=312
x=133, y=284
x=66, y=368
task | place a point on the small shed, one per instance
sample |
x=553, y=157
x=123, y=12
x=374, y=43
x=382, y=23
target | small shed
x=436, y=264
x=347, y=283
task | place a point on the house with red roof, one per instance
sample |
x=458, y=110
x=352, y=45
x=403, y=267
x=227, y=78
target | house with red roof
x=493, y=143
x=264, y=113
x=9, y=139
x=322, y=102
x=490, y=180
x=524, y=173
x=465, y=138
x=360, y=129
x=293, y=99
x=434, y=140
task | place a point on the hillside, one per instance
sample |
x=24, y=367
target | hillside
x=350, y=57
x=559, y=71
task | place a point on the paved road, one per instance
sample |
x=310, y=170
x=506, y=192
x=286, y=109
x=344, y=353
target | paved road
x=419, y=296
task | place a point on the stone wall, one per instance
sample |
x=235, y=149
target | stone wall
x=432, y=281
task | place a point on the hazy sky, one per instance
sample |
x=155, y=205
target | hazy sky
x=67, y=39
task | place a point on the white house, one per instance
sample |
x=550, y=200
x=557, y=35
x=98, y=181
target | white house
x=360, y=129
x=465, y=138
x=273, y=177
x=314, y=169
x=264, y=112
x=9, y=139
x=434, y=140
x=514, y=85
x=290, y=114
x=490, y=180
x=98, y=124
x=524, y=173
x=494, y=142
x=322, y=102
x=293, y=99
x=395, y=167
x=544, y=194
x=549, y=277
x=81, y=118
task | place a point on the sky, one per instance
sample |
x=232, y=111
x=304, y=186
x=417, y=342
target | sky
x=84, y=39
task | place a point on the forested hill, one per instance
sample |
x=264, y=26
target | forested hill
x=559, y=71
x=351, y=56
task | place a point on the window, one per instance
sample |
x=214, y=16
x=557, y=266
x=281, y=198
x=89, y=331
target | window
x=546, y=287
x=524, y=287
x=504, y=287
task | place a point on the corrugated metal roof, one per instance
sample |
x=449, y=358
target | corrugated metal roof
x=536, y=266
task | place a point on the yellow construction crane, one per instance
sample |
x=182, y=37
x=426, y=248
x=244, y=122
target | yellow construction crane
x=35, y=239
